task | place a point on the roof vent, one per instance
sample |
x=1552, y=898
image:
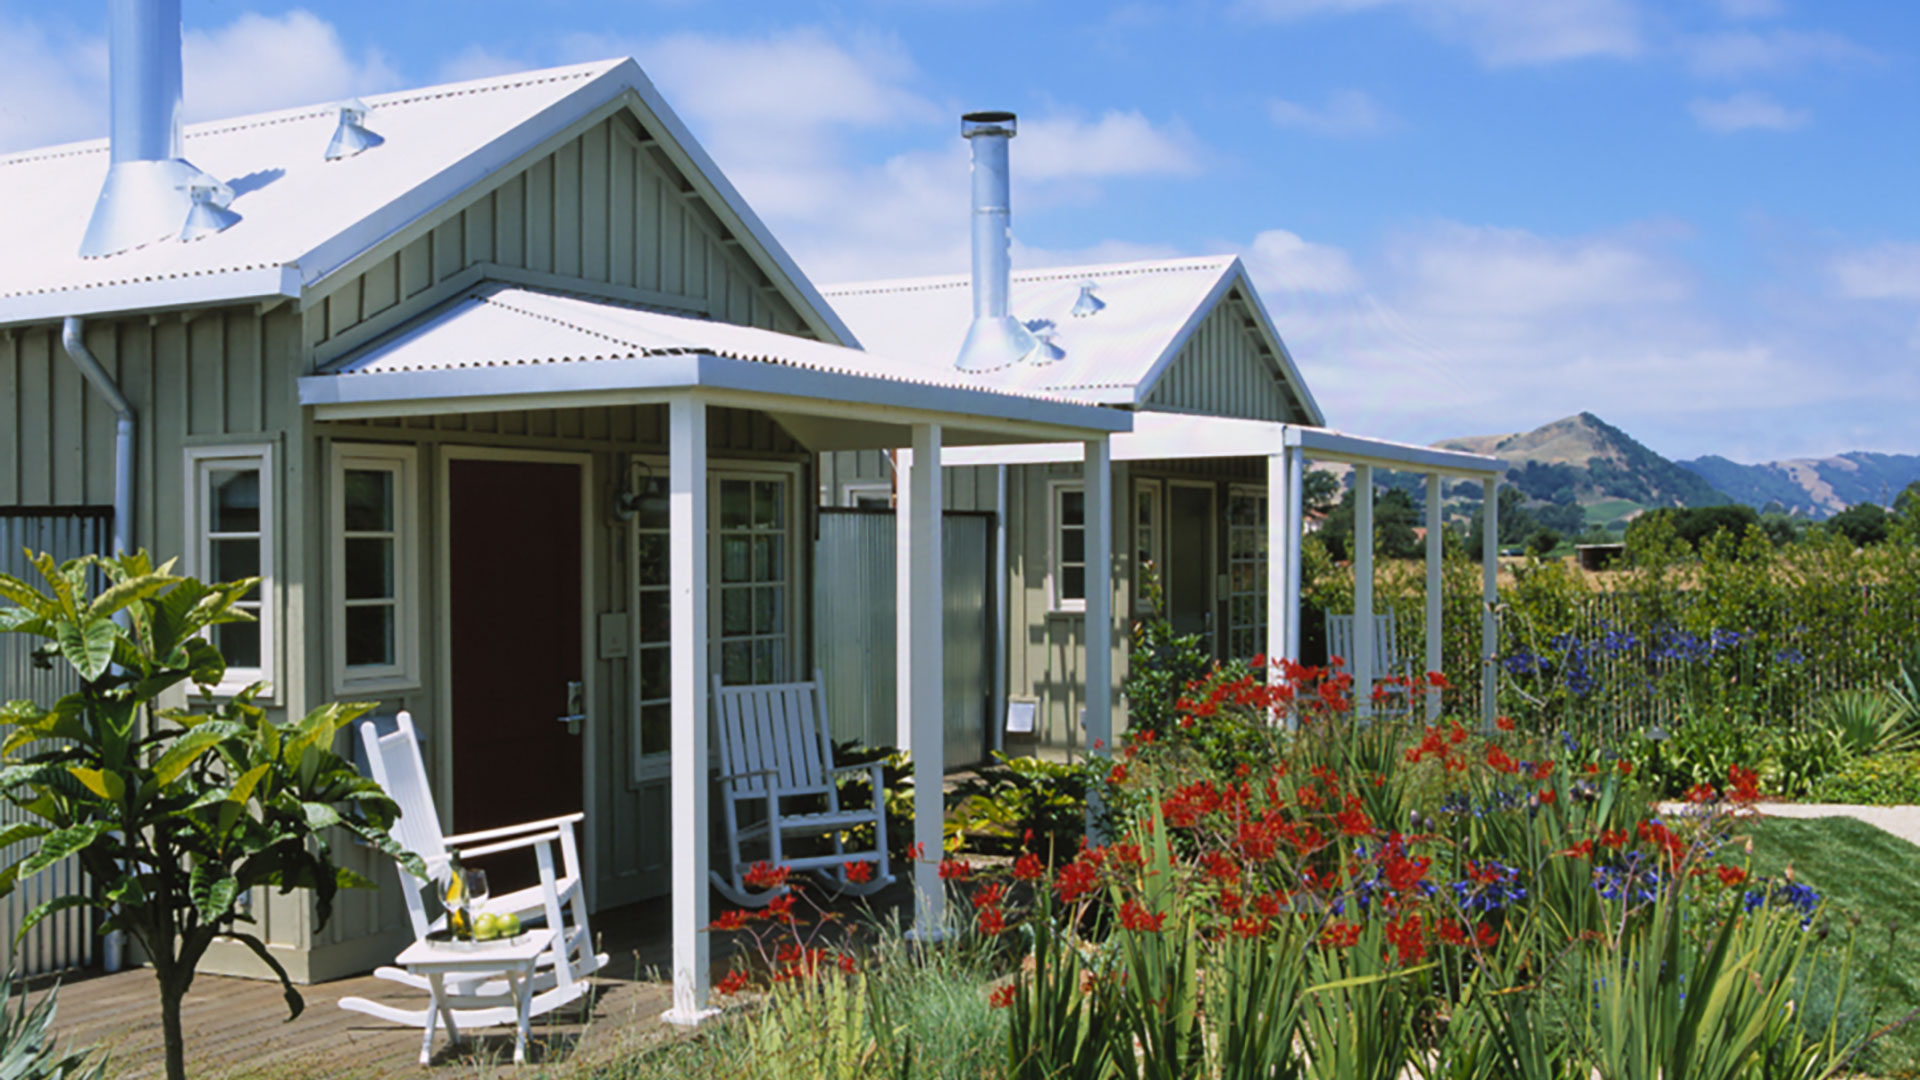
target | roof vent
x=1088, y=303
x=146, y=196
x=1045, y=350
x=209, y=213
x=996, y=339
x=352, y=135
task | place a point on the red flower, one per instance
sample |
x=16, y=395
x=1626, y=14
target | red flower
x=1408, y=938
x=735, y=982
x=1438, y=681
x=1743, y=785
x=1028, y=867
x=1137, y=918
x=1268, y=904
x=1542, y=770
x=1249, y=928
x=1593, y=769
x=847, y=966
x=955, y=869
x=1219, y=867
x=780, y=908
x=1504, y=723
x=729, y=920
x=1731, y=875
x=1118, y=775
x=1340, y=935
x=1499, y=762
x=859, y=873
x=765, y=875
x=1002, y=996
x=1613, y=838
x=1485, y=936
x=1701, y=793
x=1074, y=881
x=1547, y=796
x=1450, y=932
x=1581, y=850
x=1625, y=767
x=990, y=921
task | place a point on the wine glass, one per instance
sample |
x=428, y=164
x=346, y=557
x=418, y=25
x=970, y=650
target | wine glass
x=477, y=893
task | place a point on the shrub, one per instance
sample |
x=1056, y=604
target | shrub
x=1878, y=780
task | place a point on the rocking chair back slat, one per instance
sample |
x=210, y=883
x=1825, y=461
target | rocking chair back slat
x=1386, y=659
x=397, y=766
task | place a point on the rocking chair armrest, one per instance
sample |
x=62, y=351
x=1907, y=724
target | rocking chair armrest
x=548, y=824
x=727, y=778
x=530, y=840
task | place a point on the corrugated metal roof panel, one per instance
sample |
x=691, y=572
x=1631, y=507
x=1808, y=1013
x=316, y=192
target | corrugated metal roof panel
x=1149, y=304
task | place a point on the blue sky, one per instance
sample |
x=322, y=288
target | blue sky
x=1696, y=218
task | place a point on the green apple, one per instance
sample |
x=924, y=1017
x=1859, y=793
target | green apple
x=486, y=928
x=509, y=925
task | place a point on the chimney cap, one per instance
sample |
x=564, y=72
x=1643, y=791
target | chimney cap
x=988, y=123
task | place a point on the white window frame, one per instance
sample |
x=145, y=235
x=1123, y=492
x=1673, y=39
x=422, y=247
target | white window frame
x=1156, y=528
x=1056, y=490
x=851, y=493
x=1258, y=627
x=403, y=462
x=200, y=462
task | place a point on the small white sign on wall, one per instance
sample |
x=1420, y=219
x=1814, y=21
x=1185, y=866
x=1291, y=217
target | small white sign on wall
x=1022, y=714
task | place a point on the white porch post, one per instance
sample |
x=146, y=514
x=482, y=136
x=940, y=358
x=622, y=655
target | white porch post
x=1360, y=664
x=1097, y=484
x=1280, y=606
x=687, y=576
x=1434, y=654
x=920, y=693
x=1489, y=623
x=1296, y=536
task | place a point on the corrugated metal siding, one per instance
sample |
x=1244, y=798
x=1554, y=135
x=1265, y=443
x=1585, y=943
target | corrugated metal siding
x=1225, y=369
x=602, y=208
x=854, y=628
x=64, y=940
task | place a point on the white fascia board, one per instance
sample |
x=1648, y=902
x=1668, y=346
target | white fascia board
x=1323, y=445
x=1155, y=437
x=532, y=385
x=1142, y=389
x=156, y=294
x=700, y=168
x=1270, y=330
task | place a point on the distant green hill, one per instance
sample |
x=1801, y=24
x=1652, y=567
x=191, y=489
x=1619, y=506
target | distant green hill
x=1585, y=461
x=1811, y=487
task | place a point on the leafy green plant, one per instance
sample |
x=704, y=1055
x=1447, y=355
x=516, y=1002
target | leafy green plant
x=1879, y=780
x=177, y=812
x=1021, y=803
x=1867, y=720
x=1160, y=662
x=26, y=1042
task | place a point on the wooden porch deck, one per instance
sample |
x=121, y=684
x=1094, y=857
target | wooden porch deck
x=238, y=1029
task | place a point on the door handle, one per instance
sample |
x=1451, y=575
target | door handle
x=576, y=706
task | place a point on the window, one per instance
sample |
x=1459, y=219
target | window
x=654, y=607
x=1146, y=542
x=375, y=568
x=230, y=522
x=1246, y=572
x=1069, y=548
x=752, y=537
x=873, y=496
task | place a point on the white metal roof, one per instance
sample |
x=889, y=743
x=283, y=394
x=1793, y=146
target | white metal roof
x=304, y=217
x=503, y=340
x=1113, y=356
x=1176, y=436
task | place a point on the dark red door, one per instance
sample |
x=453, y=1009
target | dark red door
x=514, y=582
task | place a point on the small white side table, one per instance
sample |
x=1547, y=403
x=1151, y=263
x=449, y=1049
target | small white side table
x=514, y=959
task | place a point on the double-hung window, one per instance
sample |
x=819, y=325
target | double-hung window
x=1247, y=555
x=1069, y=547
x=230, y=535
x=751, y=538
x=1146, y=543
x=375, y=622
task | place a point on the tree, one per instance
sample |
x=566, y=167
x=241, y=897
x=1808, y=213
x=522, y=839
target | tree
x=175, y=813
x=1862, y=524
x=1320, y=491
x=1394, y=519
x=1907, y=503
x=1543, y=541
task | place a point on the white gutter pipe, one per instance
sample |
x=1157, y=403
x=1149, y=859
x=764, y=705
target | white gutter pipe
x=73, y=337
x=997, y=719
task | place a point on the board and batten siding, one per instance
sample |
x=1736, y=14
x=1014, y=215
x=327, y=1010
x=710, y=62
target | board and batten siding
x=1226, y=368
x=605, y=209
x=630, y=819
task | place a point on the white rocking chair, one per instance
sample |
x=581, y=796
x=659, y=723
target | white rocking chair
x=1386, y=653
x=484, y=999
x=775, y=749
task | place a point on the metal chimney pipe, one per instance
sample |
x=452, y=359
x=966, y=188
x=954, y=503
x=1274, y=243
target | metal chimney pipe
x=147, y=193
x=996, y=339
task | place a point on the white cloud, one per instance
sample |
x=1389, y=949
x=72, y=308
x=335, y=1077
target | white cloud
x=1890, y=271
x=54, y=83
x=1501, y=32
x=1060, y=147
x=1283, y=261
x=1752, y=9
x=1736, y=54
x=1748, y=110
x=1345, y=113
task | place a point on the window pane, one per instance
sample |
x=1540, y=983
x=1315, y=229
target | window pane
x=370, y=635
x=768, y=560
x=234, y=559
x=1143, y=509
x=239, y=643
x=766, y=661
x=736, y=504
x=1073, y=507
x=769, y=498
x=656, y=615
x=369, y=569
x=736, y=612
x=369, y=495
x=769, y=610
x=653, y=560
x=235, y=499
x=1073, y=545
x=656, y=679
x=654, y=509
x=1073, y=583
x=656, y=729
x=736, y=558
x=736, y=663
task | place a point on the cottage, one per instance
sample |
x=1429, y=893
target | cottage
x=1208, y=481
x=511, y=402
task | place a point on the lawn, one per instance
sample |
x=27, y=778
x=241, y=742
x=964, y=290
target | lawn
x=1864, y=872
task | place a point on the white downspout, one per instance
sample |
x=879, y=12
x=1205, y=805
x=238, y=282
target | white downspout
x=997, y=720
x=73, y=337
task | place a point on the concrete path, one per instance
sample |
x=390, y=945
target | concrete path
x=1901, y=821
